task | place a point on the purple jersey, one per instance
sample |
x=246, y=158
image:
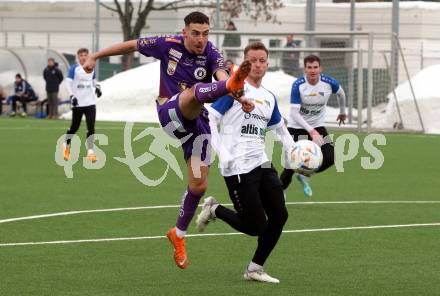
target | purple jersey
x=179, y=68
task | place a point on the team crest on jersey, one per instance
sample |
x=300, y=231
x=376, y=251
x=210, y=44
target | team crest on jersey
x=200, y=73
x=172, y=65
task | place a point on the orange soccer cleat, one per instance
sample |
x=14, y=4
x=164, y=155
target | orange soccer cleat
x=235, y=83
x=66, y=152
x=179, y=248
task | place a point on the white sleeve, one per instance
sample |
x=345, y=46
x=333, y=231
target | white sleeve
x=69, y=86
x=95, y=82
x=215, y=137
x=284, y=137
x=282, y=134
x=294, y=113
x=223, y=155
x=340, y=94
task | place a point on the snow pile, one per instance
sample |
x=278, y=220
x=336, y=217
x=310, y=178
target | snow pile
x=130, y=95
x=280, y=84
x=428, y=99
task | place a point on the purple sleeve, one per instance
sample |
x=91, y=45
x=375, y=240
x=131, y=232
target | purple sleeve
x=215, y=60
x=151, y=46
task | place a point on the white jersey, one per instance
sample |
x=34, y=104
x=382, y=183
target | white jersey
x=82, y=85
x=242, y=135
x=312, y=100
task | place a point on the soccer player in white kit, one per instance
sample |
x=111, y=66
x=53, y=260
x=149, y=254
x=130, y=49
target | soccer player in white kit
x=82, y=88
x=308, y=100
x=252, y=181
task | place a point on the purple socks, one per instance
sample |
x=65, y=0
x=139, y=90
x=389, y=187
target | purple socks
x=210, y=92
x=188, y=208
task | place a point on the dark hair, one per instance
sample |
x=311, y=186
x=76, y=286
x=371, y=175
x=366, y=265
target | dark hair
x=256, y=46
x=51, y=59
x=229, y=61
x=82, y=50
x=196, y=17
x=18, y=75
x=312, y=58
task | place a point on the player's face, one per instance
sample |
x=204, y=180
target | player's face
x=312, y=70
x=82, y=57
x=196, y=37
x=258, y=59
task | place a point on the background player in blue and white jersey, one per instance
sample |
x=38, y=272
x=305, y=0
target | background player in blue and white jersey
x=252, y=181
x=308, y=100
x=83, y=89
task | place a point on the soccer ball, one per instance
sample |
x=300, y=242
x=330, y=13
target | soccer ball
x=306, y=157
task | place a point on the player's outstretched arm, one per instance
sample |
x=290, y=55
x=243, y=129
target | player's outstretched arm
x=340, y=94
x=295, y=113
x=117, y=49
x=282, y=135
x=223, y=155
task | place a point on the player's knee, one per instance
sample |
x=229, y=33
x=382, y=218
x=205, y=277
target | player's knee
x=328, y=154
x=282, y=217
x=256, y=227
x=199, y=187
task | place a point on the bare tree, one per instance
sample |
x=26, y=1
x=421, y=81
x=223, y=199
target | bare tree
x=257, y=10
x=133, y=20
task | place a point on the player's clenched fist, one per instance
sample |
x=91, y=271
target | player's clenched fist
x=247, y=105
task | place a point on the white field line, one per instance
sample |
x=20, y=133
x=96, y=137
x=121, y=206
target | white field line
x=216, y=234
x=177, y=206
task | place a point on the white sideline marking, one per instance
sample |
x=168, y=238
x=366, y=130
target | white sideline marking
x=177, y=206
x=216, y=234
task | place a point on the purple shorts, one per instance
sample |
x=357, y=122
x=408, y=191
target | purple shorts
x=195, y=135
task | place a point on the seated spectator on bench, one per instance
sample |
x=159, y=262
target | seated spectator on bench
x=24, y=93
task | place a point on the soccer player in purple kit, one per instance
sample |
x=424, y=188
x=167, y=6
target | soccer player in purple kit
x=188, y=63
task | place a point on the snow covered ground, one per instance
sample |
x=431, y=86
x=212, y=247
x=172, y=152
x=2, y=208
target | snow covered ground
x=130, y=96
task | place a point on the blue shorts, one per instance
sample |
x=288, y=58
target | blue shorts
x=195, y=135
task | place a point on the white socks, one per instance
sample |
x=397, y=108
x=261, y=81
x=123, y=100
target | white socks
x=254, y=267
x=213, y=208
x=180, y=233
